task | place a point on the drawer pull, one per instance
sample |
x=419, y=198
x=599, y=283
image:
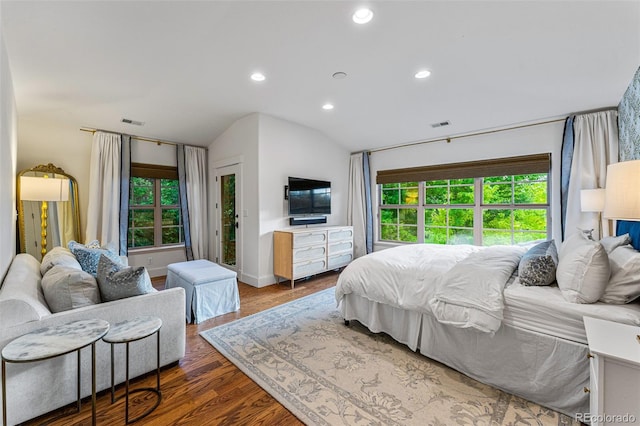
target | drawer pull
x=586, y=390
x=589, y=355
x=638, y=338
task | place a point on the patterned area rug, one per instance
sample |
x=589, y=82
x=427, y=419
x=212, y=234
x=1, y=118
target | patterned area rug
x=326, y=373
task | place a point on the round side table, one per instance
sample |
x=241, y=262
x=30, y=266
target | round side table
x=126, y=332
x=51, y=342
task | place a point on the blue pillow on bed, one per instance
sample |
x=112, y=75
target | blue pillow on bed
x=538, y=265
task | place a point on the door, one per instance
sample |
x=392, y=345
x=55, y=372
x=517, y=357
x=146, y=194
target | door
x=227, y=211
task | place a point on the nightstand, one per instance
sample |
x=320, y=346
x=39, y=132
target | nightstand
x=615, y=372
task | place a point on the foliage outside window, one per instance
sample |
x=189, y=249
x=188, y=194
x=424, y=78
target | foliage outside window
x=482, y=211
x=154, y=213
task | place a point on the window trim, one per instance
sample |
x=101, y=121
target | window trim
x=156, y=172
x=478, y=206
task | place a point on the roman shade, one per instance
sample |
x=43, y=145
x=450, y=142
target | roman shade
x=536, y=163
x=153, y=171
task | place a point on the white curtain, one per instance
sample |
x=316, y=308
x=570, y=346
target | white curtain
x=356, y=205
x=595, y=147
x=195, y=159
x=103, y=212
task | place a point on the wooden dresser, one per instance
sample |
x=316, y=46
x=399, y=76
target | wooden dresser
x=300, y=253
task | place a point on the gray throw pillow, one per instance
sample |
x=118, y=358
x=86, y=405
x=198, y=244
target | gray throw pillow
x=538, y=265
x=117, y=282
x=66, y=287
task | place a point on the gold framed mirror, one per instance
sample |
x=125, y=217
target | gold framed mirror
x=48, y=209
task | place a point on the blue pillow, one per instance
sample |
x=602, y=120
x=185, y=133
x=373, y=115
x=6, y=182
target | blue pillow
x=632, y=228
x=88, y=256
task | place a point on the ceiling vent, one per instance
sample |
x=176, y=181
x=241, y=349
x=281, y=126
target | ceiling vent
x=132, y=122
x=441, y=124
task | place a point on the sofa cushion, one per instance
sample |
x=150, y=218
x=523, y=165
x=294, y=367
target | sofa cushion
x=67, y=288
x=117, y=281
x=58, y=256
x=21, y=297
x=89, y=255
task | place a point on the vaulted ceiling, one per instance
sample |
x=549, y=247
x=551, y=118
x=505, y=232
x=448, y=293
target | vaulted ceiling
x=183, y=67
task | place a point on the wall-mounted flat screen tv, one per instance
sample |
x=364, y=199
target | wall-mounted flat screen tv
x=309, y=197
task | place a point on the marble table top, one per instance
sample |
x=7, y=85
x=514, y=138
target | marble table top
x=54, y=341
x=134, y=329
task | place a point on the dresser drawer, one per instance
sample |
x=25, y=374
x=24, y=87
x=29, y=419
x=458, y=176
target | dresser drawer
x=309, y=238
x=339, y=260
x=340, y=247
x=309, y=268
x=341, y=234
x=308, y=253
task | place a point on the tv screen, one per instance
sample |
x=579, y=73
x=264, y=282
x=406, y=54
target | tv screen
x=308, y=196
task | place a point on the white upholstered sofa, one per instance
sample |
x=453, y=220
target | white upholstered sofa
x=36, y=388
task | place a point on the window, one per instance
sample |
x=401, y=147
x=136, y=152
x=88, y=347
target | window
x=481, y=210
x=154, y=207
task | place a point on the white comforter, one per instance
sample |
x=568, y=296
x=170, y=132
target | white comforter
x=416, y=277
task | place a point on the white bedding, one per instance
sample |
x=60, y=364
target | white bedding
x=544, y=310
x=461, y=285
x=469, y=295
x=403, y=276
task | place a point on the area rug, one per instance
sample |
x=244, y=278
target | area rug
x=326, y=373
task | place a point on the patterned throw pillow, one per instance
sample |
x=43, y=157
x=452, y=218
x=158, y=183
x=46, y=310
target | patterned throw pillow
x=117, y=282
x=538, y=265
x=89, y=255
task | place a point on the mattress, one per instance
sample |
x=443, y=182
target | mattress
x=544, y=310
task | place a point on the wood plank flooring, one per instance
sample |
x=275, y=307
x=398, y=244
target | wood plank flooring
x=204, y=388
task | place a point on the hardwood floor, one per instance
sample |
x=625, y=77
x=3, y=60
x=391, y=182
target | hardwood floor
x=204, y=388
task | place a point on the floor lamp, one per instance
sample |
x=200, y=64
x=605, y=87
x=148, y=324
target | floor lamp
x=592, y=200
x=43, y=189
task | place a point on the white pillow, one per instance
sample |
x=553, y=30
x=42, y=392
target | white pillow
x=624, y=285
x=612, y=243
x=58, y=256
x=583, y=269
x=67, y=288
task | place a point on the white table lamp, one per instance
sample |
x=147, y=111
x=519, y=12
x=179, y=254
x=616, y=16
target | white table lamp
x=622, y=198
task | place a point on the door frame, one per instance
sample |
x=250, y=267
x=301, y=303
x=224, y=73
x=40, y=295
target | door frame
x=221, y=169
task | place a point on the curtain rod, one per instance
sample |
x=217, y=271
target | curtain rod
x=140, y=138
x=448, y=139
x=486, y=132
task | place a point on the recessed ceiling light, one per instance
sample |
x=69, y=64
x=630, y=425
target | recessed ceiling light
x=422, y=74
x=362, y=16
x=327, y=106
x=256, y=76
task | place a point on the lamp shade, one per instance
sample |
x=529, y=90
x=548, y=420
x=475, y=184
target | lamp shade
x=622, y=198
x=592, y=200
x=43, y=189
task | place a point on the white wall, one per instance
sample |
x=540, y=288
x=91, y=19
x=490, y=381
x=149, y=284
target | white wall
x=289, y=149
x=508, y=143
x=239, y=144
x=270, y=150
x=65, y=146
x=8, y=160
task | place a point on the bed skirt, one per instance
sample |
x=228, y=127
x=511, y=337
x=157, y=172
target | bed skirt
x=544, y=369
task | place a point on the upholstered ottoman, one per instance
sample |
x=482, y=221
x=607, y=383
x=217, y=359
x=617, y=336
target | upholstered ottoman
x=211, y=290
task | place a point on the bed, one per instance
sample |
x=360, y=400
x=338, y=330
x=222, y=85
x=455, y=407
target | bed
x=526, y=340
